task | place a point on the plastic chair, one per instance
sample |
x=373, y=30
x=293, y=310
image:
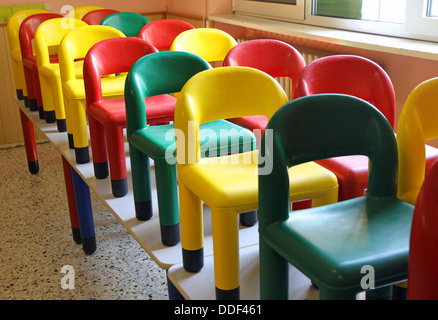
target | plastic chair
x=130, y=23
x=74, y=46
x=13, y=28
x=332, y=244
x=107, y=118
x=276, y=58
x=423, y=256
x=416, y=126
x=95, y=17
x=49, y=34
x=163, y=73
x=27, y=34
x=162, y=33
x=80, y=12
x=228, y=185
x=359, y=77
x=208, y=43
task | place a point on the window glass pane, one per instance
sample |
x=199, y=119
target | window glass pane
x=432, y=8
x=278, y=1
x=372, y=10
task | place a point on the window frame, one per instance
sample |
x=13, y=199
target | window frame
x=417, y=25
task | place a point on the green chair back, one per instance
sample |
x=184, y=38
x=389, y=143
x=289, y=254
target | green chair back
x=130, y=23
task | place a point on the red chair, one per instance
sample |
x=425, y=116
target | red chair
x=26, y=35
x=95, y=17
x=359, y=77
x=276, y=58
x=107, y=118
x=161, y=33
x=423, y=253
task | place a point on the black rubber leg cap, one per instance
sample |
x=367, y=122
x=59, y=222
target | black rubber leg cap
x=233, y=294
x=89, y=245
x=26, y=102
x=119, y=187
x=50, y=116
x=20, y=95
x=101, y=170
x=174, y=294
x=82, y=155
x=62, y=125
x=170, y=235
x=143, y=210
x=33, y=105
x=399, y=293
x=33, y=166
x=248, y=219
x=41, y=112
x=71, y=144
x=193, y=260
x=76, y=235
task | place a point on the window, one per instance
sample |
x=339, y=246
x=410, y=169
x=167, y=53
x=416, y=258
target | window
x=403, y=18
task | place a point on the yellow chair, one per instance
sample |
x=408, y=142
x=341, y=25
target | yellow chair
x=74, y=46
x=49, y=35
x=13, y=29
x=417, y=124
x=208, y=43
x=228, y=185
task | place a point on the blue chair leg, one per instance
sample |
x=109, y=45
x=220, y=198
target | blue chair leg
x=85, y=213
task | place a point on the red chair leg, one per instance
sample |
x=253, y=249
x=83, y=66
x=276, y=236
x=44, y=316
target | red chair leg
x=98, y=148
x=30, y=143
x=71, y=201
x=117, y=162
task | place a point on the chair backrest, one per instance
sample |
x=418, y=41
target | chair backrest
x=130, y=23
x=223, y=93
x=157, y=73
x=349, y=74
x=276, y=58
x=116, y=55
x=161, y=33
x=50, y=33
x=423, y=253
x=76, y=44
x=416, y=125
x=95, y=17
x=80, y=12
x=208, y=43
x=28, y=29
x=324, y=126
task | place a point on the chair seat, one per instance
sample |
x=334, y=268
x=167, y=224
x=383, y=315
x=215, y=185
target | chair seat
x=252, y=122
x=52, y=70
x=158, y=108
x=234, y=183
x=111, y=87
x=150, y=139
x=340, y=238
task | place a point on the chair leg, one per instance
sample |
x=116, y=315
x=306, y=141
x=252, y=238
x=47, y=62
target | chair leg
x=141, y=181
x=116, y=156
x=76, y=110
x=225, y=228
x=383, y=293
x=58, y=104
x=192, y=229
x=167, y=193
x=98, y=148
x=71, y=201
x=274, y=274
x=85, y=214
x=29, y=142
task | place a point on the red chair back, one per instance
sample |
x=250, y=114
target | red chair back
x=352, y=75
x=110, y=56
x=423, y=251
x=161, y=33
x=95, y=17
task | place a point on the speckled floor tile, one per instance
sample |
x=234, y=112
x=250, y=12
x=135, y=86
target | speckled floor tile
x=36, y=241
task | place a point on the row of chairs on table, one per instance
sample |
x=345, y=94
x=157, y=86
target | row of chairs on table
x=242, y=95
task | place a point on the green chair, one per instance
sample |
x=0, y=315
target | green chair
x=130, y=23
x=348, y=246
x=165, y=73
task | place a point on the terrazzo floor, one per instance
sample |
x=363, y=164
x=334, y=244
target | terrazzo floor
x=36, y=241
